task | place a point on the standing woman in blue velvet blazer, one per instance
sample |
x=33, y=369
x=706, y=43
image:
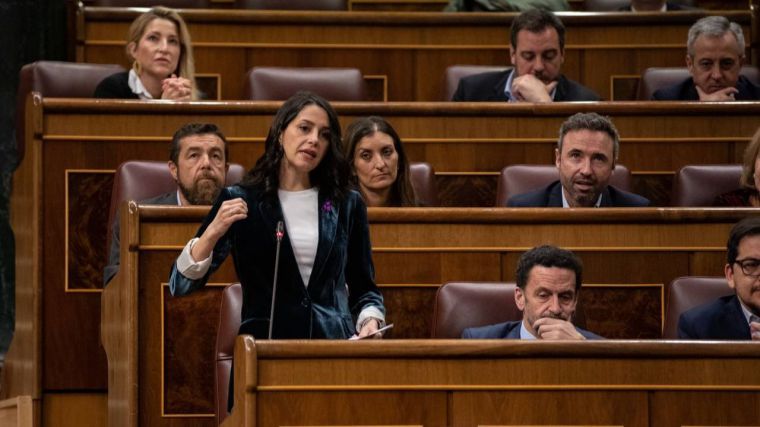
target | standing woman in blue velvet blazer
x=326, y=286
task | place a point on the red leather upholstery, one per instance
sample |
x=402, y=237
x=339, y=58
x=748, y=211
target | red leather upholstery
x=656, y=78
x=423, y=182
x=280, y=83
x=226, y=332
x=58, y=80
x=460, y=305
x=456, y=72
x=175, y=4
x=142, y=179
x=689, y=292
x=518, y=179
x=698, y=185
x=293, y=4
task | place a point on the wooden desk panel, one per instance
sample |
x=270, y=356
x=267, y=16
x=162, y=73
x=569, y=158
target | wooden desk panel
x=411, y=49
x=446, y=244
x=495, y=382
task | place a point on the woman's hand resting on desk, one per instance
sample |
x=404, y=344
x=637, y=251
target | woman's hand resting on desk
x=176, y=88
x=369, y=327
x=229, y=212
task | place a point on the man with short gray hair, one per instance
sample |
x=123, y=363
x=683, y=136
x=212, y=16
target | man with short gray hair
x=715, y=54
x=586, y=153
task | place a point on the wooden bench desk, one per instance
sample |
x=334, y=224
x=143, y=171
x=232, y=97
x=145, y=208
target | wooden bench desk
x=630, y=257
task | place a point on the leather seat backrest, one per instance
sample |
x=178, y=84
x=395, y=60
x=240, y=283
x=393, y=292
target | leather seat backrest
x=460, y=305
x=656, y=78
x=518, y=179
x=143, y=179
x=56, y=79
x=689, y=292
x=280, y=83
x=292, y=4
x=612, y=5
x=174, y=4
x=699, y=185
x=226, y=332
x=456, y=72
x=423, y=182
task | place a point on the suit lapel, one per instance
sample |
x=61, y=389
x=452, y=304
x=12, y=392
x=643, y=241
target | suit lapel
x=735, y=323
x=328, y=225
x=498, y=91
x=606, y=199
x=555, y=196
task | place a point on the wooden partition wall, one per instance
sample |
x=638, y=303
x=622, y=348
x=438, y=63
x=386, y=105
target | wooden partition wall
x=506, y=383
x=161, y=349
x=62, y=191
x=404, y=55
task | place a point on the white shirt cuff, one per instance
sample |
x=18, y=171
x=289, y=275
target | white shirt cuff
x=188, y=267
x=368, y=312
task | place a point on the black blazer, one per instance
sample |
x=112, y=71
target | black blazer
x=686, y=91
x=511, y=330
x=342, y=281
x=721, y=319
x=112, y=268
x=115, y=86
x=490, y=87
x=551, y=197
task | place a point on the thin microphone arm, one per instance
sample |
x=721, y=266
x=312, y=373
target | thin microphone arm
x=278, y=234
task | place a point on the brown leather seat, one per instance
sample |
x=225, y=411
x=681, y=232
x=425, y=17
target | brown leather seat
x=292, y=4
x=460, y=305
x=142, y=179
x=58, y=80
x=423, y=182
x=518, y=179
x=689, y=292
x=699, y=185
x=175, y=4
x=604, y=5
x=656, y=78
x=612, y=5
x=456, y=72
x=226, y=332
x=280, y=83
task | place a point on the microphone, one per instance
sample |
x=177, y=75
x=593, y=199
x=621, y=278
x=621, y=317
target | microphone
x=278, y=235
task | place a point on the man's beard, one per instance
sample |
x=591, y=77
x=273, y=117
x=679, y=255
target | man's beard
x=203, y=192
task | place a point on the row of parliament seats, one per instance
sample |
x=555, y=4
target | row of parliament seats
x=693, y=185
x=142, y=179
x=589, y=5
x=652, y=79
x=458, y=305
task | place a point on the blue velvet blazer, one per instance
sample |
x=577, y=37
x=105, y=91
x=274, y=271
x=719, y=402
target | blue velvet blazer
x=342, y=281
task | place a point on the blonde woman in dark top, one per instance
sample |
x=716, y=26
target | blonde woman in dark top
x=160, y=48
x=749, y=183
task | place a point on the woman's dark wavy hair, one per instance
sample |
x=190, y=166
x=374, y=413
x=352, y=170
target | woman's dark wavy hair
x=331, y=175
x=402, y=193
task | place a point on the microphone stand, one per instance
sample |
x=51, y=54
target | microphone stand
x=278, y=234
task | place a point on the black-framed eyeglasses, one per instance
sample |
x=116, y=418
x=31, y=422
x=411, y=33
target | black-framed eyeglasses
x=750, y=266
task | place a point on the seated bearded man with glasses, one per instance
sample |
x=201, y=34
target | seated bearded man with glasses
x=733, y=317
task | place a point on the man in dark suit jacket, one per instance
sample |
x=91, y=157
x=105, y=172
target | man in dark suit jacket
x=198, y=163
x=585, y=158
x=548, y=283
x=733, y=317
x=537, y=48
x=715, y=54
